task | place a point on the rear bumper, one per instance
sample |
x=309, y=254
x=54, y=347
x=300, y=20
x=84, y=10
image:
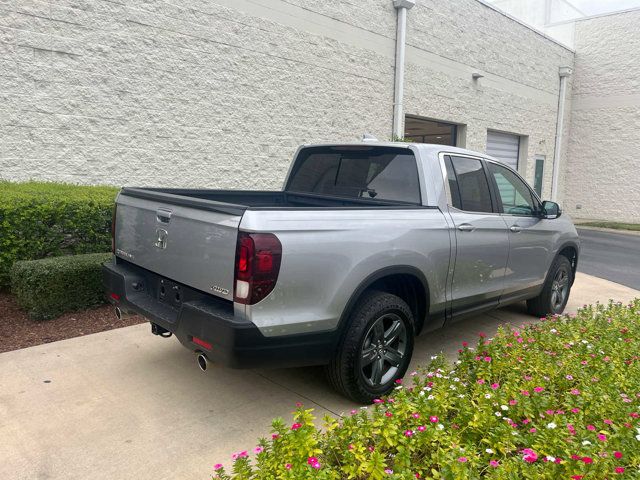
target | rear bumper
x=236, y=343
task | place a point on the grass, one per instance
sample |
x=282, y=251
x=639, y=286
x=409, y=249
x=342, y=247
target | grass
x=613, y=225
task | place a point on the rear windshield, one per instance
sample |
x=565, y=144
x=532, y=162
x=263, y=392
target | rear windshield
x=380, y=173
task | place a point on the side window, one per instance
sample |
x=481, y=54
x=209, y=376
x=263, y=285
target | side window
x=473, y=187
x=453, y=184
x=513, y=194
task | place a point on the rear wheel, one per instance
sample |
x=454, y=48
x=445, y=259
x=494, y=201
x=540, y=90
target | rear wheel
x=376, y=349
x=555, y=292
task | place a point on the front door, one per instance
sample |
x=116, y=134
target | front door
x=530, y=237
x=481, y=237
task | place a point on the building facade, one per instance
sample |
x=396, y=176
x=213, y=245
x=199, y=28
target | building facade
x=219, y=93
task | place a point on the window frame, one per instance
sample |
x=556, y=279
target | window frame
x=448, y=192
x=493, y=185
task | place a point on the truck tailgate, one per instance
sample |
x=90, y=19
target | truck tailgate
x=186, y=244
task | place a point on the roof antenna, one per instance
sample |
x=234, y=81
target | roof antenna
x=367, y=137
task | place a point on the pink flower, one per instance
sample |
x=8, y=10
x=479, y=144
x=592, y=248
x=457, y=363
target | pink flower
x=388, y=414
x=422, y=428
x=602, y=437
x=529, y=455
x=587, y=460
x=388, y=471
x=607, y=421
x=465, y=344
x=298, y=404
x=399, y=381
x=433, y=419
x=378, y=400
x=591, y=427
x=619, y=470
x=313, y=461
x=575, y=410
x=495, y=386
x=415, y=415
x=242, y=454
x=574, y=391
x=617, y=454
x=482, y=334
x=494, y=463
x=217, y=466
x=258, y=450
x=274, y=436
x=288, y=466
x=577, y=477
x=487, y=359
x=408, y=433
x=462, y=459
x=296, y=426
x=538, y=389
x=532, y=430
x=569, y=377
x=525, y=393
x=480, y=381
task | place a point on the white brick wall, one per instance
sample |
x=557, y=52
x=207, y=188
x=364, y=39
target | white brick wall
x=219, y=93
x=603, y=167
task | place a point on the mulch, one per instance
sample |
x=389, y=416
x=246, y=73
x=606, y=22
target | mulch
x=17, y=330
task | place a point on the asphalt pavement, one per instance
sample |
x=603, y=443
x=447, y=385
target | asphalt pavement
x=610, y=255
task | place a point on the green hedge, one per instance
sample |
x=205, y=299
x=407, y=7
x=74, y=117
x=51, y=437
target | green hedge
x=556, y=400
x=49, y=287
x=39, y=219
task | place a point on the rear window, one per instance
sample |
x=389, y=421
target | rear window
x=380, y=173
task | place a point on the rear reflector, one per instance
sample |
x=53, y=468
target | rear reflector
x=115, y=296
x=202, y=343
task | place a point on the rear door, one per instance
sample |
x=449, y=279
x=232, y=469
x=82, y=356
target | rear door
x=530, y=237
x=188, y=245
x=482, y=240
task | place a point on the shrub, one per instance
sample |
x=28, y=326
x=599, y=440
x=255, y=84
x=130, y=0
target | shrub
x=39, y=220
x=558, y=399
x=48, y=287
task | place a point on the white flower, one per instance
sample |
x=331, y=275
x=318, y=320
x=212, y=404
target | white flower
x=399, y=387
x=514, y=433
x=456, y=379
x=421, y=394
x=487, y=395
x=550, y=458
x=638, y=437
x=461, y=395
x=426, y=389
x=488, y=450
x=551, y=425
x=497, y=414
x=504, y=408
x=553, y=330
x=430, y=397
x=440, y=426
x=458, y=362
x=586, y=442
x=433, y=357
x=452, y=387
x=584, y=341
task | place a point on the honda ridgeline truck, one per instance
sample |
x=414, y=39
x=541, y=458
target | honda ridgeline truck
x=367, y=245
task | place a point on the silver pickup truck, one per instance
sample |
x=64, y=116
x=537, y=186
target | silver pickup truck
x=367, y=245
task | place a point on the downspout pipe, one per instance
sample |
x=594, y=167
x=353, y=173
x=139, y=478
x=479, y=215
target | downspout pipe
x=402, y=6
x=564, y=73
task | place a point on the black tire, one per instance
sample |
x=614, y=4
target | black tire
x=375, y=314
x=558, y=282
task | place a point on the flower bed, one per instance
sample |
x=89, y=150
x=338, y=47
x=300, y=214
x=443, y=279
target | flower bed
x=559, y=399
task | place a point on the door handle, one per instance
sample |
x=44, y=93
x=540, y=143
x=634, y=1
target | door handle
x=515, y=228
x=465, y=227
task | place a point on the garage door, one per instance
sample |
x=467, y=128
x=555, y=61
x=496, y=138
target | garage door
x=504, y=147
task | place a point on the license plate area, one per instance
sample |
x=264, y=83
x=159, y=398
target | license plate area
x=170, y=292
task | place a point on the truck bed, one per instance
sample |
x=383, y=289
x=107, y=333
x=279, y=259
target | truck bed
x=235, y=202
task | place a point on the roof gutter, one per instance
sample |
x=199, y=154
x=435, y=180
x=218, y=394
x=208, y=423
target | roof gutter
x=402, y=6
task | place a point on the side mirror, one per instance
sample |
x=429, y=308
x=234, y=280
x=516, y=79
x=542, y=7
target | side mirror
x=550, y=210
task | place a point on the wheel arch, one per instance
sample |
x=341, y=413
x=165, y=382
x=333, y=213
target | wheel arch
x=405, y=281
x=571, y=251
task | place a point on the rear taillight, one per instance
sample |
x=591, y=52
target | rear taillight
x=258, y=258
x=113, y=228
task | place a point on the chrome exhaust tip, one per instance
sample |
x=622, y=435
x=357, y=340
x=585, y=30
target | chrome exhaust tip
x=203, y=363
x=119, y=313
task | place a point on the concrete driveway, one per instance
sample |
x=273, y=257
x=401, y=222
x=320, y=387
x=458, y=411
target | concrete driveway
x=125, y=404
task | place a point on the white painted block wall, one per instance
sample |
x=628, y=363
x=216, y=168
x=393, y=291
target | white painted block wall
x=220, y=93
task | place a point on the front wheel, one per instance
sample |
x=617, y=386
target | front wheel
x=555, y=292
x=376, y=349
